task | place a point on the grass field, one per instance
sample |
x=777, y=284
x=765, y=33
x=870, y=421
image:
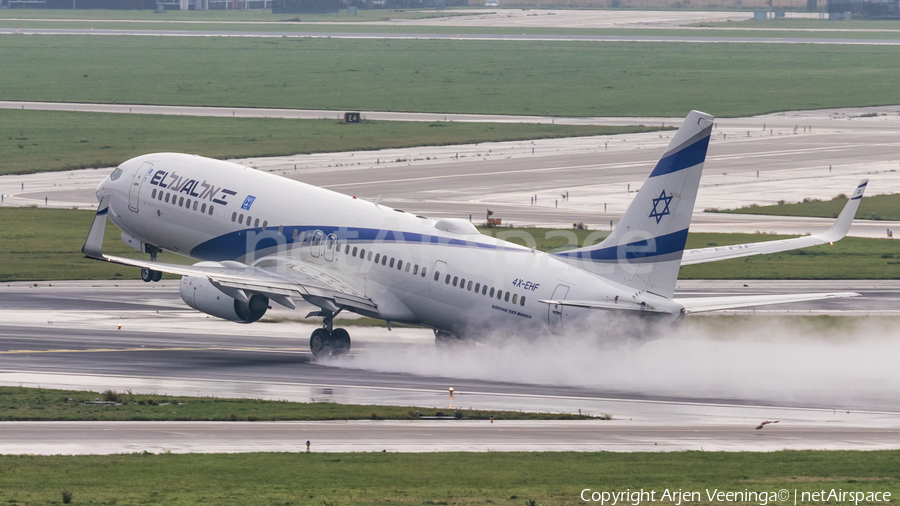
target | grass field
x=513, y=479
x=45, y=244
x=545, y=78
x=42, y=404
x=34, y=141
x=876, y=207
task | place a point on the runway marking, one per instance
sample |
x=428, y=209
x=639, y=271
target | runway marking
x=107, y=350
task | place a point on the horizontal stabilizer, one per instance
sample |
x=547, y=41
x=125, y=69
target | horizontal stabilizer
x=835, y=233
x=703, y=304
x=614, y=305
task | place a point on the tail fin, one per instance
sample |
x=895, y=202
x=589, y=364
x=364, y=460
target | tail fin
x=644, y=251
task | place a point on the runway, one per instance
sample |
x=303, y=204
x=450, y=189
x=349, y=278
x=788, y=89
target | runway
x=422, y=436
x=456, y=37
x=68, y=336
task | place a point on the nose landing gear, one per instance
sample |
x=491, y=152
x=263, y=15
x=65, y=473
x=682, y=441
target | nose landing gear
x=328, y=341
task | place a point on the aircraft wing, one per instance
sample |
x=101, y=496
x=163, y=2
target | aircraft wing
x=835, y=233
x=288, y=278
x=704, y=304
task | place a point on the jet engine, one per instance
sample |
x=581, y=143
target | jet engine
x=201, y=295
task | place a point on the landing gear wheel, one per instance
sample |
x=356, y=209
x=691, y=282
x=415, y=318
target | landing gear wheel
x=146, y=275
x=320, y=343
x=340, y=342
x=157, y=275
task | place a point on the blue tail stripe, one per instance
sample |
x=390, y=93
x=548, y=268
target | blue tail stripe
x=664, y=245
x=682, y=159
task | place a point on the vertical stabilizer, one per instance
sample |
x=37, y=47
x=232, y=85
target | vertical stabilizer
x=645, y=249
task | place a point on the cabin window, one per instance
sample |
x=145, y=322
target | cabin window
x=195, y=205
x=167, y=198
x=469, y=288
x=210, y=210
x=280, y=229
x=447, y=280
x=188, y=204
x=265, y=225
x=377, y=257
x=203, y=209
x=370, y=255
x=484, y=290
x=354, y=249
x=416, y=269
x=399, y=265
x=462, y=283
x=522, y=301
x=477, y=287
x=492, y=293
x=153, y=194
x=515, y=298
x=392, y=261
x=256, y=225
x=455, y=280
x=234, y=216
x=384, y=260
x=347, y=249
x=295, y=234
x=160, y=195
x=181, y=202
x=407, y=267
x=506, y=297
x=499, y=294
x=435, y=276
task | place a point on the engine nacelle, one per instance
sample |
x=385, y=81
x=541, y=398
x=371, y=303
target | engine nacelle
x=201, y=295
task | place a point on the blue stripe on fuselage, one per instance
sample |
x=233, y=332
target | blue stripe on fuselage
x=682, y=159
x=233, y=245
x=662, y=245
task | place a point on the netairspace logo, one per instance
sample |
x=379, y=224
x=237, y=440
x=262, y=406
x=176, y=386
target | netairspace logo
x=677, y=497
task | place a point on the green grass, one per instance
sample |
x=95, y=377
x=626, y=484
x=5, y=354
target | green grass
x=510, y=77
x=507, y=479
x=876, y=207
x=34, y=141
x=40, y=404
x=45, y=245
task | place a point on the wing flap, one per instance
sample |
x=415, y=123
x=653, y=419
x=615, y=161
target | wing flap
x=704, y=304
x=837, y=232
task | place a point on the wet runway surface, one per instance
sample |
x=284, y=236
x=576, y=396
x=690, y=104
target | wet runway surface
x=67, y=336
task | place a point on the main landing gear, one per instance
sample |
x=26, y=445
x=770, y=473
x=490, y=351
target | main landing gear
x=148, y=275
x=328, y=340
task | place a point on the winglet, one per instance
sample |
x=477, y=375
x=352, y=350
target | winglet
x=845, y=219
x=93, y=243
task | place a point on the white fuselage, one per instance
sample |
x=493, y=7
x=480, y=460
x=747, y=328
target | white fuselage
x=213, y=210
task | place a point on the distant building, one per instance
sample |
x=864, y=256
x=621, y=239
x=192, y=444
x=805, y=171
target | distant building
x=864, y=9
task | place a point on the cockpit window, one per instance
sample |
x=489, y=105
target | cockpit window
x=115, y=174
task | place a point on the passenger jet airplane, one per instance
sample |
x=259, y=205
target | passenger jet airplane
x=261, y=238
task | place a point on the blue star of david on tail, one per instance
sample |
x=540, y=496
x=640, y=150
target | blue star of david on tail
x=662, y=198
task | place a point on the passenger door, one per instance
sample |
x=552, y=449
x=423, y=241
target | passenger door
x=137, y=180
